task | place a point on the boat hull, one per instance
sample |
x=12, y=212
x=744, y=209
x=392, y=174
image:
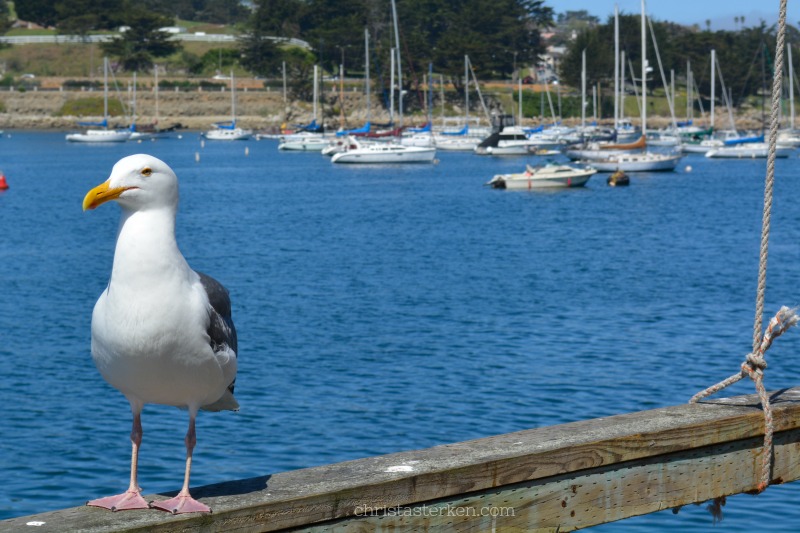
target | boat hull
x=99, y=136
x=457, y=145
x=236, y=134
x=543, y=179
x=743, y=151
x=632, y=163
x=386, y=154
x=308, y=145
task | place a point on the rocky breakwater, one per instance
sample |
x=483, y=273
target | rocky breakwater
x=195, y=109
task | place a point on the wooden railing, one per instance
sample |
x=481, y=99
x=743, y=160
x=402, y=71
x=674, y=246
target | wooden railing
x=553, y=478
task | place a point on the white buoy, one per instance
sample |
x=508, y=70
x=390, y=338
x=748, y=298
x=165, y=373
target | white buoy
x=138, y=141
x=180, y=136
x=688, y=168
x=246, y=150
x=202, y=143
x=197, y=156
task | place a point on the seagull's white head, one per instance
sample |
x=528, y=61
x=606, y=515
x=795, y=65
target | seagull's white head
x=137, y=182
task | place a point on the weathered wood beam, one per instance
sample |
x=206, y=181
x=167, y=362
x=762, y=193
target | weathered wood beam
x=561, y=477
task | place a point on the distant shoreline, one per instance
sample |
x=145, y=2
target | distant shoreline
x=259, y=110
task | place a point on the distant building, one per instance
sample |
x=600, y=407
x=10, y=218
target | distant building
x=27, y=25
x=549, y=62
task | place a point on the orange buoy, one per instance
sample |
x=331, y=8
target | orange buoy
x=3, y=182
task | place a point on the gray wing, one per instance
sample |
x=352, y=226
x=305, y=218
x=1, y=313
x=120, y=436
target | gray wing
x=221, y=331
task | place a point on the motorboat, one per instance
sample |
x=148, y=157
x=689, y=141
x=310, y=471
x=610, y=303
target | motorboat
x=511, y=140
x=383, y=152
x=99, y=136
x=544, y=177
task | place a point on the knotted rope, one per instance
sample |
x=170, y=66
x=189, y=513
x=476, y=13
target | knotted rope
x=755, y=364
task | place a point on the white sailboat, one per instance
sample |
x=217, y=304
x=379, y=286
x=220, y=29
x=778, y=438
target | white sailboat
x=466, y=138
x=229, y=131
x=308, y=139
x=645, y=161
x=355, y=151
x=103, y=133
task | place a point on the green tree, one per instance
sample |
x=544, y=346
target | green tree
x=5, y=18
x=136, y=48
x=82, y=16
x=271, y=19
x=42, y=12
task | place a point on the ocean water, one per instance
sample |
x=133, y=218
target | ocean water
x=382, y=309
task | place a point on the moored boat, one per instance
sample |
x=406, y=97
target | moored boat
x=544, y=177
x=358, y=152
x=644, y=162
x=304, y=142
x=104, y=135
x=748, y=151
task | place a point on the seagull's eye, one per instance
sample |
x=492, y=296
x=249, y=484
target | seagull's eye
x=146, y=171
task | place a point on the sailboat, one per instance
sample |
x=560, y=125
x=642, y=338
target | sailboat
x=152, y=130
x=464, y=139
x=93, y=135
x=228, y=131
x=310, y=138
x=645, y=161
x=749, y=147
x=355, y=151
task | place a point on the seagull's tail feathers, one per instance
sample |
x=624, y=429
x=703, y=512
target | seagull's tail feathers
x=226, y=403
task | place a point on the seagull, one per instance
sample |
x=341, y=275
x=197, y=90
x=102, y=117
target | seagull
x=162, y=333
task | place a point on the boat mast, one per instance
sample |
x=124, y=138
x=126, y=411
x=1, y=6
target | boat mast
x=791, y=87
x=133, y=106
x=713, y=85
x=430, y=94
x=689, y=96
x=466, y=88
x=616, y=67
x=583, y=89
x=644, y=74
x=155, y=75
x=233, y=100
x=316, y=96
x=366, y=67
x=622, y=85
x=391, y=87
x=105, y=91
x=441, y=96
x=399, y=68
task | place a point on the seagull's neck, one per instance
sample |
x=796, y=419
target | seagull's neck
x=146, y=246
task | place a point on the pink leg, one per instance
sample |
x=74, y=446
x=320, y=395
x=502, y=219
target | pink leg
x=183, y=502
x=131, y=498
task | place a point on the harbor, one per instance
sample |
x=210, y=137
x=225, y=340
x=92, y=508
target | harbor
x=387, y=309
x=485, y=324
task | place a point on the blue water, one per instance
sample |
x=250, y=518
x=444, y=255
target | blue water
x=382, y=309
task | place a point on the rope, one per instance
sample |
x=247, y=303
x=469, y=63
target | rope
x=770, y=178
x=754, y=364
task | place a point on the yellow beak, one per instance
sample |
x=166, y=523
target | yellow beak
x=101, y=194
